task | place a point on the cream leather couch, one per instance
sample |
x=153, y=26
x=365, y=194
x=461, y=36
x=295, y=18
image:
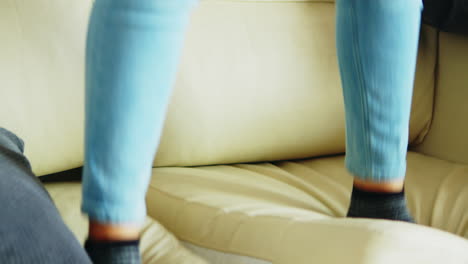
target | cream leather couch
x=250, y=169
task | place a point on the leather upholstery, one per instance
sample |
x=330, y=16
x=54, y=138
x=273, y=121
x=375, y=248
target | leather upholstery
x=274, y=93
x=447, y=138
x=157, y=245
x=261, y=83
x=292, y=212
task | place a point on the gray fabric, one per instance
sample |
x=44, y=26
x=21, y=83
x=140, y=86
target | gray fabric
x=447, y=15
x=31, y=229
x=378, y=205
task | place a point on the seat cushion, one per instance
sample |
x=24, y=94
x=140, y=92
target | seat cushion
x=158, y=246
x=292, y=212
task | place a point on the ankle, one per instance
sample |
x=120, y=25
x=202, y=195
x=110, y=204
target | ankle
x=381, y=187
x=113, y=232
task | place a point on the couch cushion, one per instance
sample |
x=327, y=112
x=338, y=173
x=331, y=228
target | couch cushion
x=42, y=81
x=158, y=246
x=291, y=212
x=258, y=81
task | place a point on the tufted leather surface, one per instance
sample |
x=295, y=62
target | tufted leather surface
x=292, y=212
x=157, y=246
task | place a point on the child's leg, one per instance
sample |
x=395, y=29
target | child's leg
x=377, y=43
x=133, y=50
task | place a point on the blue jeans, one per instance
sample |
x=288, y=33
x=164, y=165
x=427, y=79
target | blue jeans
x=133, y=50
x=377, y=43
x=31, y=228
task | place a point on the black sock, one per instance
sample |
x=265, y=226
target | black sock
x=111, y=252
x=391, y=206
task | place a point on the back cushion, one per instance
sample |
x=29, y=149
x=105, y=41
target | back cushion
x=258, y=81
x=41, y=79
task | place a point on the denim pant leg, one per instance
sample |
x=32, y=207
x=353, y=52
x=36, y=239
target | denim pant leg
x=377, y=44
x=133, y=50
x=31, y=228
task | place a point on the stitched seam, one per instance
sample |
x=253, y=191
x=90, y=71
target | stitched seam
x=363, y=96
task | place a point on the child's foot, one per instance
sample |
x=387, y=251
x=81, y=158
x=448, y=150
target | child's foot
x=112, y=252
x=382, y=205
